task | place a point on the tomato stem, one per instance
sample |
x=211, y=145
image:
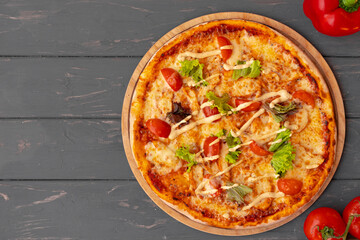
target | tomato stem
x=351, y=218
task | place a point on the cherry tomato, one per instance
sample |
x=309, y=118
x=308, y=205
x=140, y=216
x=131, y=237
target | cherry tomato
x=225, y=53
x=208, y=111
x=212, y=150
x=173, y=78
x=158, y=127
x=321, y=217
x=289, y=186
x=305, y=97
x=353, y=208
x=253, y=107
x=255, y=148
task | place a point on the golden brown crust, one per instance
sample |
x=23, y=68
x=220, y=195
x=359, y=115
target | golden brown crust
x=295, y=72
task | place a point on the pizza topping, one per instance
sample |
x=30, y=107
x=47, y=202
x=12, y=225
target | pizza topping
x=283, y=96
x=213, y=149
x=251, y=71
x=225, y=47
x=263, y=196
x=280, y=112
x=247, y=124
x=254, y=179
x=232, y=156
x=181, y=56
x=173, y=78
x=185, y=154
x=289, y=186
x=252, y=107
x=236, y=192
x=282, y=159
x=260, y=151
x=178, y=113
x=204, y=81
x=221, y=103
x=241, y=65
x=158, y=127
x=280, y=139
x=193, y=68
x=304, y=97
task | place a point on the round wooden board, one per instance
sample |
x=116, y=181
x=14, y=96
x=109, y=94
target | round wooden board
x=316, y=59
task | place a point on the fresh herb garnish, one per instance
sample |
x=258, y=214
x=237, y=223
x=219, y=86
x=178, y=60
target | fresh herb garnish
x=221, y=133
x=185, y=154
x=282, y=159
x=237, y=193
x=232, y=141
x=232, y=157
x=221, y=103
x=284, y=136
x=252, y=72
x=193, y=68
x=279, y=112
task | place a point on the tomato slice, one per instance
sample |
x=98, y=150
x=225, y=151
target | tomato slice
x=305, y=97
x=353, y=207
x=212, y=150
x=158, y=127
x=208, y=111
x=255, y=148
x=173, y=78
x=320, y=218
x=253, y=107
x=289, y=186
x=225, y=53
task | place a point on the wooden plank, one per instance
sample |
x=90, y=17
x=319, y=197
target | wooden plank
x=118, y=210
x=95, y=87
x=93, y=149
x=64, y=87
x=62, y=149
x=130, y=27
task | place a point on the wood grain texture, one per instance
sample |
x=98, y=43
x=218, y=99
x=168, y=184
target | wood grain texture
x=93, y=149
x=95, y=87
x=130, y=27
x=117, y=210
x=305, y=50
x=62, y=149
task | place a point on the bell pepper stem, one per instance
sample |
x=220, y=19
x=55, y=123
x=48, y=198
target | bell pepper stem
x=349, y=3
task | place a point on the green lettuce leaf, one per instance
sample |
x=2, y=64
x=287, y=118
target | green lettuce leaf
x=237, y=193
x=232, y=141
x=193, y=68
x=284, y=136
x=252, y=72
x=232, y=157
x=185, y=154
x=221, y=103
x=282, y=159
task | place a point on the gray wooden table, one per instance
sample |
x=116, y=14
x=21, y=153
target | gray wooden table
x=64, y=68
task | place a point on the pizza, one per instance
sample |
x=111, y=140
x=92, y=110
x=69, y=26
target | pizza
x=232, y=125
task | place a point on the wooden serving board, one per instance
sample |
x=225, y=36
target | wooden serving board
x=316, y=60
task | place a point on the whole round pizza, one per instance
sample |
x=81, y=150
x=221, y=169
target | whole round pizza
x=231, y=125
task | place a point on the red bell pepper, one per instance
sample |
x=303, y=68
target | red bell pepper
x=334, y=17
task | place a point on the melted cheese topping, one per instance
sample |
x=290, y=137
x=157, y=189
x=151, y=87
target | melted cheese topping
x=247, y=124
x=177, y=132
x=263, y=196
x=228, y=67
x=181, y=56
